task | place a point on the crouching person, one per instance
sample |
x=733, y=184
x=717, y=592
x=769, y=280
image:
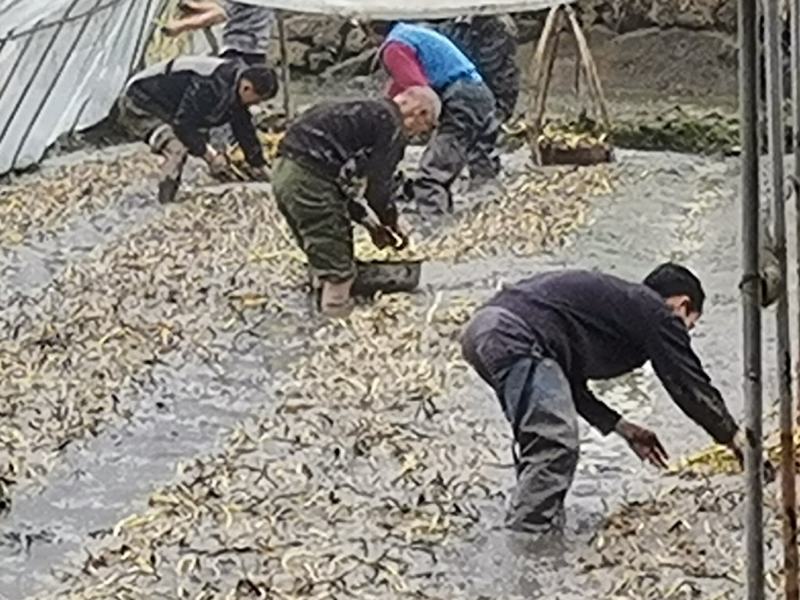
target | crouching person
x=173, y=104
x=325, y=154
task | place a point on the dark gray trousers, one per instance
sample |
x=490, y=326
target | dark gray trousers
x=466, y=134
x=537, y=402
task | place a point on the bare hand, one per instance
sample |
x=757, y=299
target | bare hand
x=644, y=443
x=172, y=29
x=259, y=173
x=737, y=445
x=220, y=168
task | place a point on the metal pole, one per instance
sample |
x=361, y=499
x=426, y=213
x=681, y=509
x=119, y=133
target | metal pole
x=285, y=78
x=750, y=289
x=794, y=11
x=773, y=24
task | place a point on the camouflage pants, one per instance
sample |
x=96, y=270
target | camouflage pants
x=466, y=135
x=316, y=210
x=537, y=402
x=144, y=125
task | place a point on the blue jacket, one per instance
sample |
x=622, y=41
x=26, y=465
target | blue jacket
x=440, y=58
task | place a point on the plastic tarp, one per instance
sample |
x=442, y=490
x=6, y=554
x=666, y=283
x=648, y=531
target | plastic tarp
x=407, y=9
x=62, y=65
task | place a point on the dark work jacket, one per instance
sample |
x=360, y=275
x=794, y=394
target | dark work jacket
x=350, y=141
x=194, y=94
x=598, y=326
x=490, y=43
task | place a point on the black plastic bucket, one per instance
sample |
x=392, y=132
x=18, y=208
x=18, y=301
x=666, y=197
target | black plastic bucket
x=387, y=277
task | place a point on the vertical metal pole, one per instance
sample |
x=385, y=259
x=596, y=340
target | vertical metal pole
x=750, y=287
x=794, y=11
x=285, y=78
x=773, y=24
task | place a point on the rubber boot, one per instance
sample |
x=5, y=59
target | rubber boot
x=335, y=300
x=175, y=155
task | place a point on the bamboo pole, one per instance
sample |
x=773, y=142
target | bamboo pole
x=774, y=89
x=544, y=59
x=750, y=292
x=795, y=68
x=593, y=83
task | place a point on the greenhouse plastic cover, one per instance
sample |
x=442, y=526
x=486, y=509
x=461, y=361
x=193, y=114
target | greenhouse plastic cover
x=64, y=62
x=407, y=9
x=62, y=65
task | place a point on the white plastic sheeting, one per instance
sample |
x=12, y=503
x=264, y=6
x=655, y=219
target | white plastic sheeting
x=64, y=62
x=407, y=9
x=62, y=65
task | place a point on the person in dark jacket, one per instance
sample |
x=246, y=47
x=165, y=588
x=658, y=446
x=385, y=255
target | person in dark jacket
x=173, y=104
x=538, y=342
x=325, y=157
x=245, y=33
x=419, y=56
x=490, y=42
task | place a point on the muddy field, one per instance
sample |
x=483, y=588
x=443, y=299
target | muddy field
x=178, y=424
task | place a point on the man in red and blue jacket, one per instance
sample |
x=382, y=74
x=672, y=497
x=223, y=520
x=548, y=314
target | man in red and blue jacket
x=418, y=56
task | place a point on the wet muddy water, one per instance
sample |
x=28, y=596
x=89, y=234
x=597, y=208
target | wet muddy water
x=663, y=207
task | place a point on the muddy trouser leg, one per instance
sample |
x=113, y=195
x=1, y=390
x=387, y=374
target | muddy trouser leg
x=316, y=211
x=538, y=403
x=162, y=140
x=484, y=160
x=467, y=108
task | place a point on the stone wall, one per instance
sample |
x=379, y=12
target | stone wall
x=628, y=15
x=317, y=44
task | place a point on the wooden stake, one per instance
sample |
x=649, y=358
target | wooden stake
x=544, y=59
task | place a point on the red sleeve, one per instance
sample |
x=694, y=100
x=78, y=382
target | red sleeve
x=403, y=67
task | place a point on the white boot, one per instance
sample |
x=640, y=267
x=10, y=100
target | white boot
x=335, y=300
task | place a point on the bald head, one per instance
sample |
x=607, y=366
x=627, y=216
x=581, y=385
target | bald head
x=420, y=107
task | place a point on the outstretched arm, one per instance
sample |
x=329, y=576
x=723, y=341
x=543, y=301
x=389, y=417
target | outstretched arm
x=197, y=15
x=679, y=369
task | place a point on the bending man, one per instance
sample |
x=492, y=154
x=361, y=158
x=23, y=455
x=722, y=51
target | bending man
x=490, y=42
x=171, y=105
x=418, y=56
x=538, y=342
x=325, y=153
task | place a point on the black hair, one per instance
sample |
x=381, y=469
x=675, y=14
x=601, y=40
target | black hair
x=382, y=28
x=671, y=279
x=264, y=80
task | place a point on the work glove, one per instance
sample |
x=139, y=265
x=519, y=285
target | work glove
x=381, y=236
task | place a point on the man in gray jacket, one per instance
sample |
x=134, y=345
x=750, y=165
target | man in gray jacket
x=173, y=104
